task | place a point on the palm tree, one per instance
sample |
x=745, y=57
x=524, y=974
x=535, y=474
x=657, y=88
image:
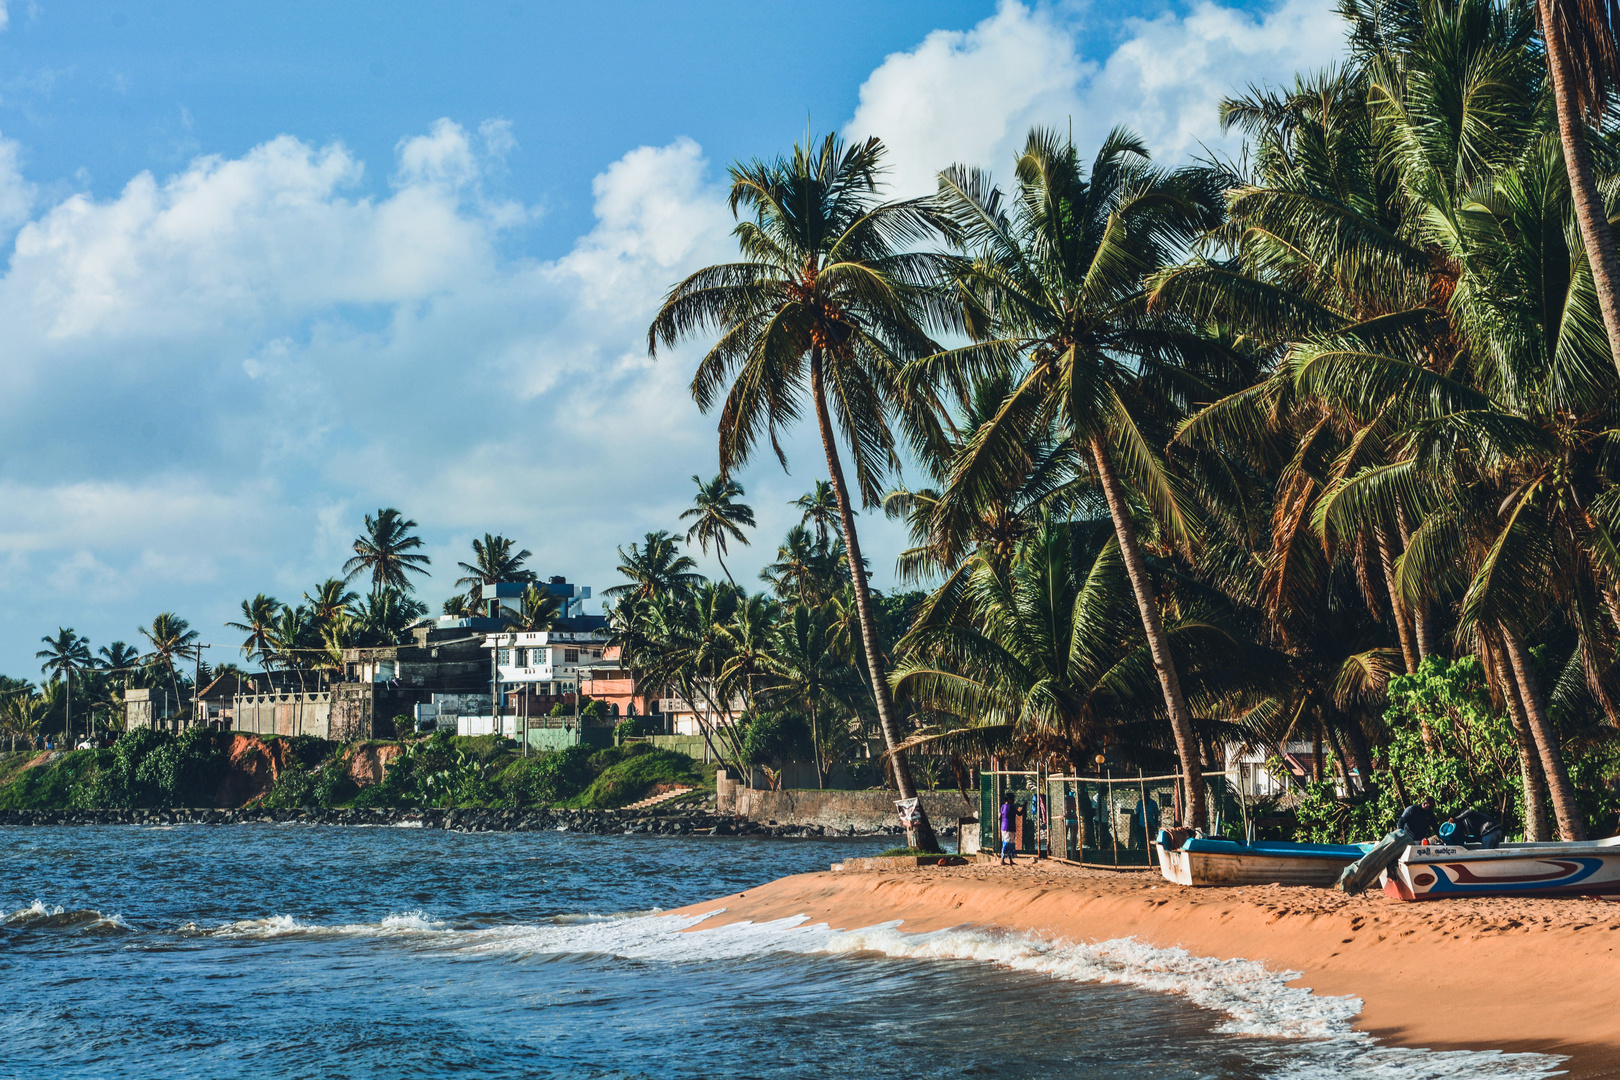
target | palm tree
x=719, y=518
x=1044, y=659
x=64, y=654
x=387, y=552
x=385, y=616
x=802, y=670
x=171, y=639
x=1054, y=289
x=294, y=636
x=826, y=306
x=806, y=571
x=655, y=568
x=459, y=607
x=258, y=623
x=819, y=509
x=493, y=561
x=539, y=610
x=1582, y=56
x=331, y=599
x=22, y=713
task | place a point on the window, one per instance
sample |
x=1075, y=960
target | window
x=570, y=656
x=596, y=654
x=505, y=658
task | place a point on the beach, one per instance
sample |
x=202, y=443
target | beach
x=1514, y=974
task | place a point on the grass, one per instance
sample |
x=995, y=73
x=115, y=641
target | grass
x=633, y=777
x=905, y=853
x=46, y=787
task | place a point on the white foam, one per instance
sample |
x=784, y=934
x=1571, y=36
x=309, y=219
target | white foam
x=37, y=915
x=1255, y=1001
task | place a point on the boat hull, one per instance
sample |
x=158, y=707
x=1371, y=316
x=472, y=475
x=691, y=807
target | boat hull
x=1217, y=868
x=1438, y=873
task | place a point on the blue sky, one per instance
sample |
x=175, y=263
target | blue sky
x=270, y=267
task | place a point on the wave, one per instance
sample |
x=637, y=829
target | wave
x=37, y=916
x=1255, y=1001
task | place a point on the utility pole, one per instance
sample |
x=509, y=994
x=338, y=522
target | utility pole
x=67, y=705
x=196, y=682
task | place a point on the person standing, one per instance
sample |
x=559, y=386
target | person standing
x=1009, y=821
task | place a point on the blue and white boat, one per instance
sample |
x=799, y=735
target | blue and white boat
x=1201, y=861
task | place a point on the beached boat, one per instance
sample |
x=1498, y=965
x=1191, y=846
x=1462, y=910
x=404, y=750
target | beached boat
x=1432, y=873
x=1202, y=861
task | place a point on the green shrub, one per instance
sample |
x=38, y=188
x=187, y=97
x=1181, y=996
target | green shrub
x=546, y=779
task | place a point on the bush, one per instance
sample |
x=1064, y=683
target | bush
x=306, y=785
x=546, y=779
x=154, y=769
x=1474, y=760
x=440, y=770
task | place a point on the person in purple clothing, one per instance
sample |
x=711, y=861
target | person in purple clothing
x=1009, y=821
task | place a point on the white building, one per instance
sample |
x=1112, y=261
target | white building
x=548, y=662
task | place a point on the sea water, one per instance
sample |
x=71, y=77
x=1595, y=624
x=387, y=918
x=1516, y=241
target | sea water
x=307, y=951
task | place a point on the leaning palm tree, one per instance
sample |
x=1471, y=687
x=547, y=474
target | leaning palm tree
x=387, y=551
x=719, y=518
x=258, y=623
x=171, y=639
x=1053, y=290
x=1583, y=55
x=801, y=670
x=827, y=307
x=64, y=654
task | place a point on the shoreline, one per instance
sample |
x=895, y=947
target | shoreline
x=654, y=821
x=1512, y=974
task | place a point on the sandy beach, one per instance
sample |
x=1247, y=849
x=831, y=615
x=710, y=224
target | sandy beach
x=1516, y=974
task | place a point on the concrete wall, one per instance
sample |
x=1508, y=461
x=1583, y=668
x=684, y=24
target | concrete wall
x=285, y=714
x=841, y=810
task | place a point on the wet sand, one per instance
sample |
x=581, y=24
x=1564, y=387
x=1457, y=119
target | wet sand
x=1517, y=974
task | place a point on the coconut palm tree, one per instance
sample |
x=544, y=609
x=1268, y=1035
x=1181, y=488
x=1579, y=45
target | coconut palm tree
x=1053, y=289
x=826, y=307
x=331, y=599
x=719, y=518
x=171, y=640
x=539, y=610
x=387, y=551
x=802, y=671
x=258, y=623
x=1045, y=660
x=654, y=568
x=819, y=509
x=64, y=654
x=807, y=570
x=1582, y=57
x=493, y=561
x=385, y=616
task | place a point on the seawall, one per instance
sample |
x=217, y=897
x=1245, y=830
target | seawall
x=840, y=811
x=474, y=819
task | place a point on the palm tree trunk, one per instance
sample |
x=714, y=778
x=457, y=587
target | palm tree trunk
x=1153, y=626
x=815, y=745
x=1535, y=785
x=1422, y=625
x=1596, y=236
x=1398, y=609
x=1570, y=825
x=921, y=836
x=1358, y=752
x=722, y=559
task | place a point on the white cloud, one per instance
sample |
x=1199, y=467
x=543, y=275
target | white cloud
x=971, y=96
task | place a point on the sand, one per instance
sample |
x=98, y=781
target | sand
x=1516, y=974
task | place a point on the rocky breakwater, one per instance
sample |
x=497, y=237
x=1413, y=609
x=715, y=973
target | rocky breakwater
x=696, y=821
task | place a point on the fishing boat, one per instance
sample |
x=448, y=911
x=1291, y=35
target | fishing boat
x=1203, y=861
x=1431, y=873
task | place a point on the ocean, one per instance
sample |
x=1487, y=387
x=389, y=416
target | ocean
x=296, y=951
